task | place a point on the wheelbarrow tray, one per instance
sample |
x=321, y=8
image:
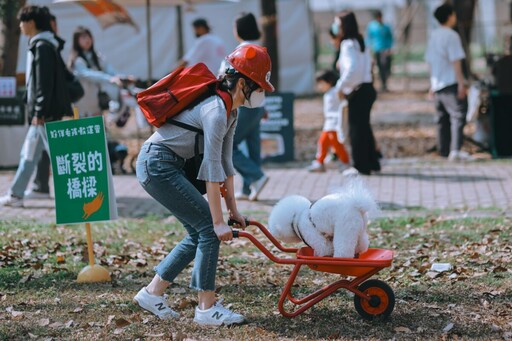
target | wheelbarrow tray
x=366, y=262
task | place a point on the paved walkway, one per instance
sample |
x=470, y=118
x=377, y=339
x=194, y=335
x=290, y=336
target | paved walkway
x=403, y=187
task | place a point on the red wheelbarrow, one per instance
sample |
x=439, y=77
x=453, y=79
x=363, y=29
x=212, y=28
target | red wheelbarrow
x=373, y=298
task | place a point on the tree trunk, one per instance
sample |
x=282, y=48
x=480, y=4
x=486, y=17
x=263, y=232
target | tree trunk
x=465, y=10
x=269, y=28
x=11, y=35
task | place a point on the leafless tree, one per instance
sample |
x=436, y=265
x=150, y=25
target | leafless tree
x=269, y=28
x=465, y=10
x=10, y=35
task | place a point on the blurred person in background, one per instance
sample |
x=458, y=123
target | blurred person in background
x=246, y=31
x=41, y=187
x=380, y=40
x=47, y=98
x=100, y=80
x=330, y=138
x=444, y=55
x=208, y=48
x=355, y=85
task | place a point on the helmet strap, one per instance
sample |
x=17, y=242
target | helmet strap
x=251, y=85
x=245, y=94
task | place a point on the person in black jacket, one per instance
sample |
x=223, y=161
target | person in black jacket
x=40, y=186
x=47, y=96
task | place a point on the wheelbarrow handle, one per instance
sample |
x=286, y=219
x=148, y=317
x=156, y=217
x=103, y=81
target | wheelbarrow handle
x=231, y=222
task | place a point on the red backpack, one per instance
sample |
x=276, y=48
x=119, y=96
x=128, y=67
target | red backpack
x=178, y=91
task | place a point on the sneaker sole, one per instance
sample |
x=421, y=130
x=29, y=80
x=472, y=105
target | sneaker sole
x=218, y=325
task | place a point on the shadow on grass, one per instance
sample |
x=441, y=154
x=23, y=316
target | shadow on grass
x=336, y=317
x=442, y=177
x=132, y=207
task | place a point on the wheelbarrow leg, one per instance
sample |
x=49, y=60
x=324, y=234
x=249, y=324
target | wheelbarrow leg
x=309, y=300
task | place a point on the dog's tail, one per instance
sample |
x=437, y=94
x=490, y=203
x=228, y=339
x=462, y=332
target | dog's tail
x=360, y=196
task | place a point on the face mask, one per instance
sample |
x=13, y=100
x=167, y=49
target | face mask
x=255, y=100
x=335, y=28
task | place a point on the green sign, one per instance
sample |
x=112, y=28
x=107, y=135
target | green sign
x=81, y=171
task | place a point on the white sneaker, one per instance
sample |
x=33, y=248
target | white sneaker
x=453, y=156
x=36, y=195
x=316, y=167
x=217, y=315
x=459, y=155
x=256, y=187
x=241, y=196
x=465, y=156
x=155, y=304
x=9, y=200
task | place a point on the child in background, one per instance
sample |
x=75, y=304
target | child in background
x=326, y=80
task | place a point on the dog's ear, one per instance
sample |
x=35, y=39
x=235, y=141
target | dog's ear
x=282, y=217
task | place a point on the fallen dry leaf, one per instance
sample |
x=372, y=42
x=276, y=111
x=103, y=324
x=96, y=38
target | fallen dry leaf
x=433, y=274
x=118, y=331
x=43, y=322
x=121, y=323
x=16, y=315
x=179, y=336
x=77, y=310
x=178, y=290
x=110, y=319
x=499, y=269
x=56, y=325
x=184, y=303
x=402, y=330
x=25, y=279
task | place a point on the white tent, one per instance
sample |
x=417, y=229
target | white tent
x=387, y=7
x=125, y=47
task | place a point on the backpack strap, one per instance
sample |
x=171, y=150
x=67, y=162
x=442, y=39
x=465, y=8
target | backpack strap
x=185, y=126
x=228, y=103
x=226, y=98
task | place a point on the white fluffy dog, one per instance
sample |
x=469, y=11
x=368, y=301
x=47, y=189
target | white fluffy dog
x=335, y=225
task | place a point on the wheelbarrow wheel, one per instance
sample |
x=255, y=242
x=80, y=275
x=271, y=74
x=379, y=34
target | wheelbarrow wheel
x=381, y=302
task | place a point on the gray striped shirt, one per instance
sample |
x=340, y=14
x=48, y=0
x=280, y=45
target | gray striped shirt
x=217, y=144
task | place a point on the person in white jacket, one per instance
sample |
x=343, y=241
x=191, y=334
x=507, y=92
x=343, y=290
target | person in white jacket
x=94, y=73
x=355, y=85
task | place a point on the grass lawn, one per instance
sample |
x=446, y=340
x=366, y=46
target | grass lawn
x=40, y=299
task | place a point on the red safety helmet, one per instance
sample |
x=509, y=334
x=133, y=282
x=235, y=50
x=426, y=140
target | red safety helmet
x=254, y=62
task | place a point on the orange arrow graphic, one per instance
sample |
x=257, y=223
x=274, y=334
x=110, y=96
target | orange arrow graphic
x=93, y=206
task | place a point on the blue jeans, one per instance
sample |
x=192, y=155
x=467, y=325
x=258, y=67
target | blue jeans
x=159, y=171
x=248, y=130
x=31, y=151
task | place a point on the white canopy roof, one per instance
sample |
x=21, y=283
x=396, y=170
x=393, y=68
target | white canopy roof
x=125, y=48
